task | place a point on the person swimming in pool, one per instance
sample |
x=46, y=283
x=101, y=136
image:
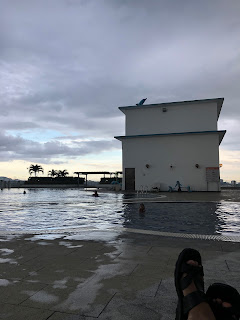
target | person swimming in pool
x=141, y=210
x=95, y=194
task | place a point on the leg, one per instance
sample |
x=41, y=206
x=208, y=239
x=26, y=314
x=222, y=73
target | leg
x=202, y=311
x=192, y=301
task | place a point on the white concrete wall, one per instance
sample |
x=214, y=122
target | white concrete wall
x=182, y=152
x=178, y=118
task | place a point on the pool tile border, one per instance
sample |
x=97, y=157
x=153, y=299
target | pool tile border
x=186, y=235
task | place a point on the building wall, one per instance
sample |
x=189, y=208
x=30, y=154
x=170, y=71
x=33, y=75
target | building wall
x=182, y=152
x=178, y=118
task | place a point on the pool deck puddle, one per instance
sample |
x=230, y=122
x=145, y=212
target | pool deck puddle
x=105, y=234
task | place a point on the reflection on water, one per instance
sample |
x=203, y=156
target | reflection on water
x=228, y=214
x=174, y=217
x=66, y=208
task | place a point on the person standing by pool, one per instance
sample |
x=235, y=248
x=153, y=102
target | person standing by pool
x=178, y=185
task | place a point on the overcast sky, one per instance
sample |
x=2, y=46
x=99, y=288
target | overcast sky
x=67, y=65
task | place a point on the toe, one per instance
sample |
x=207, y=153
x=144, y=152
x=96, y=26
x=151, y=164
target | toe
x=218, y=300
x=192, y=262
x=226, y=305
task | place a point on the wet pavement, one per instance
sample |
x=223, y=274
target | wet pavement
x=118, y=275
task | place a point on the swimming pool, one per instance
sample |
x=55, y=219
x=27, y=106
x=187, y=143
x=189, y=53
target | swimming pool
x=49, y=209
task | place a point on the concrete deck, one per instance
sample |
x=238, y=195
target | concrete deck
x=129, y=276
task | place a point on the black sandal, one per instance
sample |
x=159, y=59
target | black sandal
x=195, y=274
x=227, y=294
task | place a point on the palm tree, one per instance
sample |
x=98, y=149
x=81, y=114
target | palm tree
x=52, y=173
x=62, y=173
x=35, y=168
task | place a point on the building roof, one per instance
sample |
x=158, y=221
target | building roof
x=220, y=133
x=169, y=104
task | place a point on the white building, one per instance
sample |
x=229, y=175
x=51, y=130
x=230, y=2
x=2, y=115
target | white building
x=170, y=142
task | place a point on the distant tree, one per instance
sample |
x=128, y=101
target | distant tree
x=35, y=168
x=53, y=173
x=62, y=173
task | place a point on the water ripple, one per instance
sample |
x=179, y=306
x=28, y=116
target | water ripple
x=66, y=208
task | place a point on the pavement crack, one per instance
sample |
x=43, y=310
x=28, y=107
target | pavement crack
x=107, y=303
x=133, y=270
x=22, y=264
x=50, y=315
x=227, y=265
x=158, y=288
x=34, y=271
x=149, y=249
x=74, y=250
x=46, y=285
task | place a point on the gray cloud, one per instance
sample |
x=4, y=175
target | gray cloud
x=13, y=148
x=67, y=65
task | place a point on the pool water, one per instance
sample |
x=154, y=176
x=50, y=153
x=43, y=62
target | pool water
x=48, y=209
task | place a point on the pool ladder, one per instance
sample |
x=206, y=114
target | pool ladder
x=142, y=190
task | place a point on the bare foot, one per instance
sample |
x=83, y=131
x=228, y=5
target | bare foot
x=202, y=311
x=191, y=288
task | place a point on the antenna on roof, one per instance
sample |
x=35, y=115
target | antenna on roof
x=141, y=102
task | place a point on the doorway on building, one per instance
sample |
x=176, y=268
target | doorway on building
x=129, y=178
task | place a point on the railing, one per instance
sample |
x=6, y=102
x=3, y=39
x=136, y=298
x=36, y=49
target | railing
x=142, y=190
